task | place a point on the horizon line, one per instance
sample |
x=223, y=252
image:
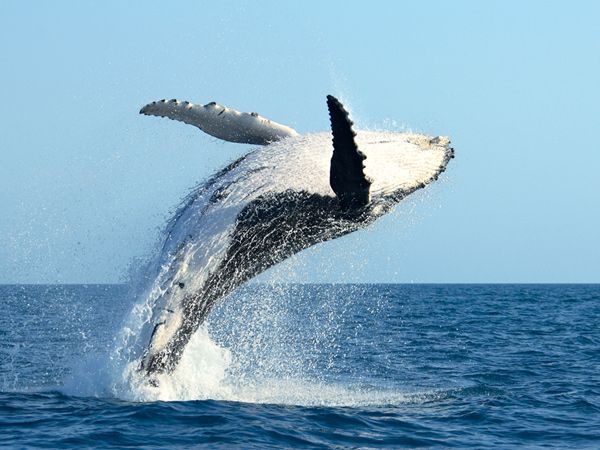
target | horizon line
x=390, y=283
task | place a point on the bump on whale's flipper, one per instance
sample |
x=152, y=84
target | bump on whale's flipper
x=221, y=122
x=346, y=176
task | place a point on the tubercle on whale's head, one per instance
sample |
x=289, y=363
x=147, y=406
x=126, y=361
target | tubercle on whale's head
x=440, y=140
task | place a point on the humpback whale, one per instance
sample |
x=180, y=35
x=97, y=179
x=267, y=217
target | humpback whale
x=291, y=192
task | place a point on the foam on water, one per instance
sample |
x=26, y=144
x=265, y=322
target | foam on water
x=264, y=358
x=203, y=374
x=200, y=375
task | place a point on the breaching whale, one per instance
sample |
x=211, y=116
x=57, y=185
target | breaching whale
x=292, y=192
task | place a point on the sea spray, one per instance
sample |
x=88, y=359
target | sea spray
x=199, y=376
x=268, y=343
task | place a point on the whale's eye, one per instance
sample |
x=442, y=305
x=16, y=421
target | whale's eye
x=181, y=285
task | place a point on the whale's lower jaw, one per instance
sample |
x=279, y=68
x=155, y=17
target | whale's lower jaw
x=267, y=231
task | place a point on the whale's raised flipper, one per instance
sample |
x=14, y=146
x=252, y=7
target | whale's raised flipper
x=221, y=122
x=346, y=175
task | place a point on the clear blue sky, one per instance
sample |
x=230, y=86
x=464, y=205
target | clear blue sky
x=86, y=183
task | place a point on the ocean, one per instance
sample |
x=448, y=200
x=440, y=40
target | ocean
x=310, y=366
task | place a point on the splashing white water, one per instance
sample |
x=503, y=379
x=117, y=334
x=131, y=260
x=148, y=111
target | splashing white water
x=200, y=375
x=203, y=374
x=264, y=365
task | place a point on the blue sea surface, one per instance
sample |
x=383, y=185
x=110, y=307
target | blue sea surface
x=318, y=366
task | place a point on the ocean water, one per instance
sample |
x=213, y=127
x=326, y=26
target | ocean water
x=310, y=366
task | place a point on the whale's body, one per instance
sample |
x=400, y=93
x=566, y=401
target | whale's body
x=268, y=205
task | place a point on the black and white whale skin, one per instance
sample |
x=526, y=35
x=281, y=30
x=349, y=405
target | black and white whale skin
x=293, y=192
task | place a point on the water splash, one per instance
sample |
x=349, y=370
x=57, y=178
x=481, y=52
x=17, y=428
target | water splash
x=271, y=343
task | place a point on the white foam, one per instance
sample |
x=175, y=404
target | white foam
x=205, y=373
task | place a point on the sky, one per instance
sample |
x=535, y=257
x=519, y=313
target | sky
x=86, y=183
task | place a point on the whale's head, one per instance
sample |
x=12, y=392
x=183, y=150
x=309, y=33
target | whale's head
x=373, y=169
x=398, y=164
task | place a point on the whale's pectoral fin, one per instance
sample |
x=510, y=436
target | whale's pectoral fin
x=346, y=176
x=221, y=122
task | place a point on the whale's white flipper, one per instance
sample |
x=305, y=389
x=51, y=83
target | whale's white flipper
x=222, y=122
